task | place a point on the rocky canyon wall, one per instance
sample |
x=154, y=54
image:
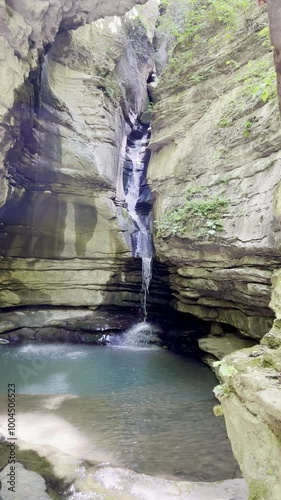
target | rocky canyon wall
x=215, y=173
x=216, y=162
x=66, y=123
x=67, y=101
x=26, y=29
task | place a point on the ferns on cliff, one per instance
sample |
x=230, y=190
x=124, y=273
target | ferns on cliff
x=199, y=214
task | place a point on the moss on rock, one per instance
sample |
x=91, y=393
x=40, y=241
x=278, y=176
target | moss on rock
x=56, y=487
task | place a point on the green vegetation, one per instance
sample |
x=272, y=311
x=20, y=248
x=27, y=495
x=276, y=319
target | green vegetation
x=225, y=370
x=218, y=411
x=187, y=18
x=150, y=107
x=197, y=27
x=219, y=152
x=199, y=214
x=259, y=83
x=179, y=65
x=232, y=65
x=265, y=36
x=225, y=122
x=222, y=391
x=56, y=487
x=194, y=25
x=258, y=490
x=108, y=83
x=257, y=86
x=247, y=128
x=112, y=91
x=222, y=181
x=197, y=78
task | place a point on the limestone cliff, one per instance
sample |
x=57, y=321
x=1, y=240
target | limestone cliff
x=215, y=172
x=216, y=162
x=68, y=98
x=26, y=28
x=61, y=242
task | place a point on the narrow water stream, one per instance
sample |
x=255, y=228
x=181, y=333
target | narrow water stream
x=139, y=201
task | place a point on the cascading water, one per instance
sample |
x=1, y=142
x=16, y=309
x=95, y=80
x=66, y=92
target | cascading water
x=139, y=201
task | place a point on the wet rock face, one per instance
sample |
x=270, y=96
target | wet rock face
x=63, y=123
x=251, y=402
x=147, y=487
x=213, y=136
x=205, y=136
x=68, y=126
x=216, y=285
x=219, y=347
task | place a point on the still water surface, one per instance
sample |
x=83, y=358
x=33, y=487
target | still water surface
x=147, y=409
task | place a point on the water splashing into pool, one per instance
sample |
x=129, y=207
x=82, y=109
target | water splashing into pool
x=140, y=336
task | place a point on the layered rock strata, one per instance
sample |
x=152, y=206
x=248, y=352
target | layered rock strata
x=26, y=28
x=63, y=239
x=215, y=138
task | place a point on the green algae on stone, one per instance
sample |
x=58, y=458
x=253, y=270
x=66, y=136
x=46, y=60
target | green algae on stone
x=56, y=487
x=259, y=491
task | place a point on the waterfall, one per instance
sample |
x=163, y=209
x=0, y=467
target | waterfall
x=139, y=201
x=146, y=279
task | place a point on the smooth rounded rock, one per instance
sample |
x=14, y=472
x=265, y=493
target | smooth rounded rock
x=29, y=485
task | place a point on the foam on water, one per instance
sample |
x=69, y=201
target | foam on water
x=140, y=336
x=32, y=350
